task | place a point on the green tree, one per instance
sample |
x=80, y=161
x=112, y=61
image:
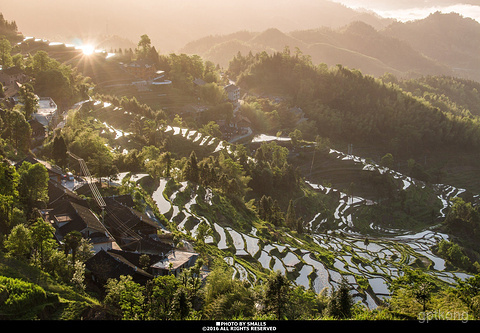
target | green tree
x=341, y=301
x=19, y=242
x=43, y=241
x=59, y=150
x=414, y=284
x=291, y=218
x=296, y=136
x=17, y=130
x=55, y=83
x=33, y=185
x=5, y=53
x=181, y=305
x=144, y=46
x=277, y=291
x=191, y=171
x=126, y=296
x=387, y=161
x=41, y=61
x=71, y=243
x=161, y=294
x=8, y=195
x=226, y=298
x=29, y=100
x=468, y=290
x=303, y=304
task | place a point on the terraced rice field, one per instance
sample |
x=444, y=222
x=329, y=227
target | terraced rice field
x=330, y=256
x=377, y=263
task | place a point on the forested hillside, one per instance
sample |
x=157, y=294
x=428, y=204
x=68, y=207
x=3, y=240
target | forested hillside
x=351, y=107
x=407, y=50
x=448, y=38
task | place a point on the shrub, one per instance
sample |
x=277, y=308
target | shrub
x=18, y=295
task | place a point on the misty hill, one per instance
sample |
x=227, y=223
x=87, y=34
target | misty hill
x=449, y=38
x=171, y=24
x=400, y=48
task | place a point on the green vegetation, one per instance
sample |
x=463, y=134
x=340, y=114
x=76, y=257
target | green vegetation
x=228, y=192
x=347, y=106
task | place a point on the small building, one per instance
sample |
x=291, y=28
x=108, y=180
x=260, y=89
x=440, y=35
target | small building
x=242, y=123
x=174, y=262
x=112, y=264
x=12, y=75
x=66, y=216
x=54, y=172
x=233, y=92
x=47, y=112
x=38, y=132
x=199, y=82
x=126, y=224
x=142, y=70
x=193, y=111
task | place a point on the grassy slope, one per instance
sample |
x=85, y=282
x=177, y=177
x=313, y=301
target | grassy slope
x=64, y=302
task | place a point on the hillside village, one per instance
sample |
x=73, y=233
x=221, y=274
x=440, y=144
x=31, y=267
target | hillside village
x=172, y=176
x=120, y=234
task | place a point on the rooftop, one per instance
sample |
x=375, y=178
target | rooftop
x=176, y=258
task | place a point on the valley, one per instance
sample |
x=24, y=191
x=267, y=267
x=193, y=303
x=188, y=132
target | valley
x=323, y=257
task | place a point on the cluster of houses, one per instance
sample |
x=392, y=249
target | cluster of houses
x=48, y=114
x=122, y=237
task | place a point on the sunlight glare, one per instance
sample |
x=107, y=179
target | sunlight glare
x=88, y=49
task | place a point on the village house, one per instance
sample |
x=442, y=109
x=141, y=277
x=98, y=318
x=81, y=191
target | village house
x=47, y=112
x=174, y=262
x=142, y=70
x=132, y=228
x=193, y=111
x=233, y=92
x=111, y=264
x=120, y=236
x=199, y=82
x=238, y=126
x=11, y=93
x=66, y=216
x=12, y=75
x=298, y=113
x=54, y=172
x=38, y=132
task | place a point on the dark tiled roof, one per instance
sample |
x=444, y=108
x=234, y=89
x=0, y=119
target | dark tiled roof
x=147, y=245
x=129, y=217
x=56, y=191
x=81, y=217
x=111, y=265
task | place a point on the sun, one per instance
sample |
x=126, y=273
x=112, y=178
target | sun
x=88, y=49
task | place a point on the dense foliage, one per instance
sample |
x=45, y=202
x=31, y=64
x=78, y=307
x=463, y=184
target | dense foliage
x=348, y=106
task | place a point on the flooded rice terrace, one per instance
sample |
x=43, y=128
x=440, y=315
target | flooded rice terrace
x=375, y=262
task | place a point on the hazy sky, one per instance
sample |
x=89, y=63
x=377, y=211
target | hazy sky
x=173, y=23
x=405, y=10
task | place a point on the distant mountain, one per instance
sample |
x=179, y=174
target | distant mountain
x=356, y=45
x=171, y=24
x=448, y=38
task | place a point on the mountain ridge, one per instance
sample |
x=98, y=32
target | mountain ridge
x=356, y=45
